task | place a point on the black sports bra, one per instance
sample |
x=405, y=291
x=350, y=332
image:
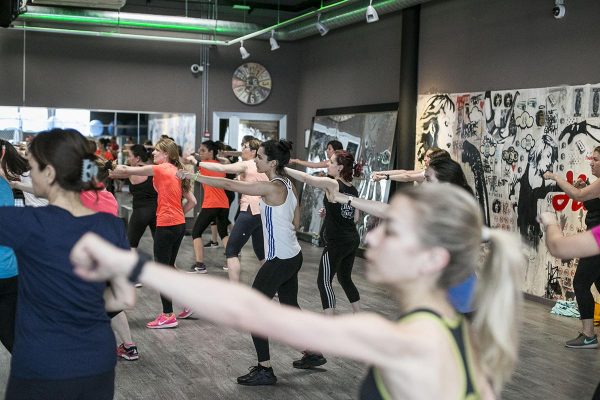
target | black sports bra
x=373, y=387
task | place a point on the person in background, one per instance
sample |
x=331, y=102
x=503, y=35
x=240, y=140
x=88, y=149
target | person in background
x=401, y=175
x=588, y=268
x=8, y=270
x=280, y=216
x=170, y=213
x=332, y=146
x=248, y=223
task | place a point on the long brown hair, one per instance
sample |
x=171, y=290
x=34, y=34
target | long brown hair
x=170, y=148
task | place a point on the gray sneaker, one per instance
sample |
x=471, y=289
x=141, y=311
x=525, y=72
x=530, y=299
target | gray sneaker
x=583, y=342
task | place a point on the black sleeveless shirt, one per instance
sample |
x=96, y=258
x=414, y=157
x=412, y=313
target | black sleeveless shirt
x=592, y=218
x=339, y=218
x=143, y=194
x=373, y=387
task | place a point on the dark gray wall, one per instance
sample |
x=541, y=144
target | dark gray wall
x=354, y=66
x=101, y=73
x=472, y=45
x=283, y=66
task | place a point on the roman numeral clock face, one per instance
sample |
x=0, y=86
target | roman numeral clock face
x=251, y=83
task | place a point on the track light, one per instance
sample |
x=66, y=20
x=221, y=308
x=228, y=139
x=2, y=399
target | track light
x=371, y=13
x=320, y=27
x=273, y=41
x=243, y=52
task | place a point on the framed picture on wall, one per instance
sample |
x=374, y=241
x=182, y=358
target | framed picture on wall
x=368, y=133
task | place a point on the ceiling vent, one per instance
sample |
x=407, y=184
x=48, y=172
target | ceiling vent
x=103, y=4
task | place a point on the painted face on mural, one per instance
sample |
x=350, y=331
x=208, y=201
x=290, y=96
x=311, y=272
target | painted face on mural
x=546, y=160
x=395, y=239
x=595, y=164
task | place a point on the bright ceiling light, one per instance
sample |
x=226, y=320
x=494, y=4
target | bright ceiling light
x=320, y=27
x=371, y=13
x=243, y=52
x=273, y=41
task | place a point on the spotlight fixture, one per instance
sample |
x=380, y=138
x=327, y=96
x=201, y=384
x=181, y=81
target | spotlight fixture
x=273, y=41
x=243, y=52
x=320, y=27
x=371, y=13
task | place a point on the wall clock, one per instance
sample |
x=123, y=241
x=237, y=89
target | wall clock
x=251, y=83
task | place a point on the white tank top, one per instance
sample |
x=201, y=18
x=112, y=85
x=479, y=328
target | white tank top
x=278, y=227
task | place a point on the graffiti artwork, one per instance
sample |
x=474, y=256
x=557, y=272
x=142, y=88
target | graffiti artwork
x=506, y=141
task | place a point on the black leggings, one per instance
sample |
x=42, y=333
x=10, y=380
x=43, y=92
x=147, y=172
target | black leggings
x=208, y=215
x=277, y=276
x=95, y=387
x=167, y=240
x=140, y=219
x=587, y=273
x=246, y=226
x=337, y=258
x=8, y=310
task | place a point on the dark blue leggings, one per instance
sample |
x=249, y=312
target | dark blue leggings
x=95, y=387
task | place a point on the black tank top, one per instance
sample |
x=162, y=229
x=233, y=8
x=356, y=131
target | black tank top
x=373, y=387
x=339, y=218
x=143, y=194
x=592, y=218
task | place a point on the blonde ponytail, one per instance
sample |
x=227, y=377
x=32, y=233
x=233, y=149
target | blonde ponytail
x=497, y=304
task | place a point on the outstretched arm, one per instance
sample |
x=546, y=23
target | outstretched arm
x=21, y=186
x=316, y=181
x=125, y=171
x=375, y=208
x=399, y=175
x=264, y=189
x=309, y=164
x=587, y=193
x=366, y=337
x=236, y=168
x=566, y=247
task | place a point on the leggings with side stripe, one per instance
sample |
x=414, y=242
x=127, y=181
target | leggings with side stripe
x=337, y=258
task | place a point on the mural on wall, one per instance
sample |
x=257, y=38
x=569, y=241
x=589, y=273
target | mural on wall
x=369, y=136
x=506, y=141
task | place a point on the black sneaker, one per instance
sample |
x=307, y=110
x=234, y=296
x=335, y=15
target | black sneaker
x=309, y=360
x=198, y=268
x=583, y=342
x=258, y=376
x=211, y=244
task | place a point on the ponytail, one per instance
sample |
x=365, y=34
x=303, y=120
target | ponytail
x=498, y=298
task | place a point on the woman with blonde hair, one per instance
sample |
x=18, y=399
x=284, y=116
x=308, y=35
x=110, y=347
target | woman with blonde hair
x=170, y=212
x=429, y=240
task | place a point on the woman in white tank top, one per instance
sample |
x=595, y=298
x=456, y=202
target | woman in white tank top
x=280, y=216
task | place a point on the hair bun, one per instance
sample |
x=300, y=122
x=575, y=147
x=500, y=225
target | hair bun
x=286, y=144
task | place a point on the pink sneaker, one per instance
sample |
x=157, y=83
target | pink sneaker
x=163, y=321
x=186, y=313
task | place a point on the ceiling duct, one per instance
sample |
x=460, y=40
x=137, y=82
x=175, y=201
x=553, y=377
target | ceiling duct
x=172, y=29
x=354, y=13
x=104, y=4
x=52, y=16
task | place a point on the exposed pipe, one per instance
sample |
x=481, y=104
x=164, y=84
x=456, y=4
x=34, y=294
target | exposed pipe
x=298, y=27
